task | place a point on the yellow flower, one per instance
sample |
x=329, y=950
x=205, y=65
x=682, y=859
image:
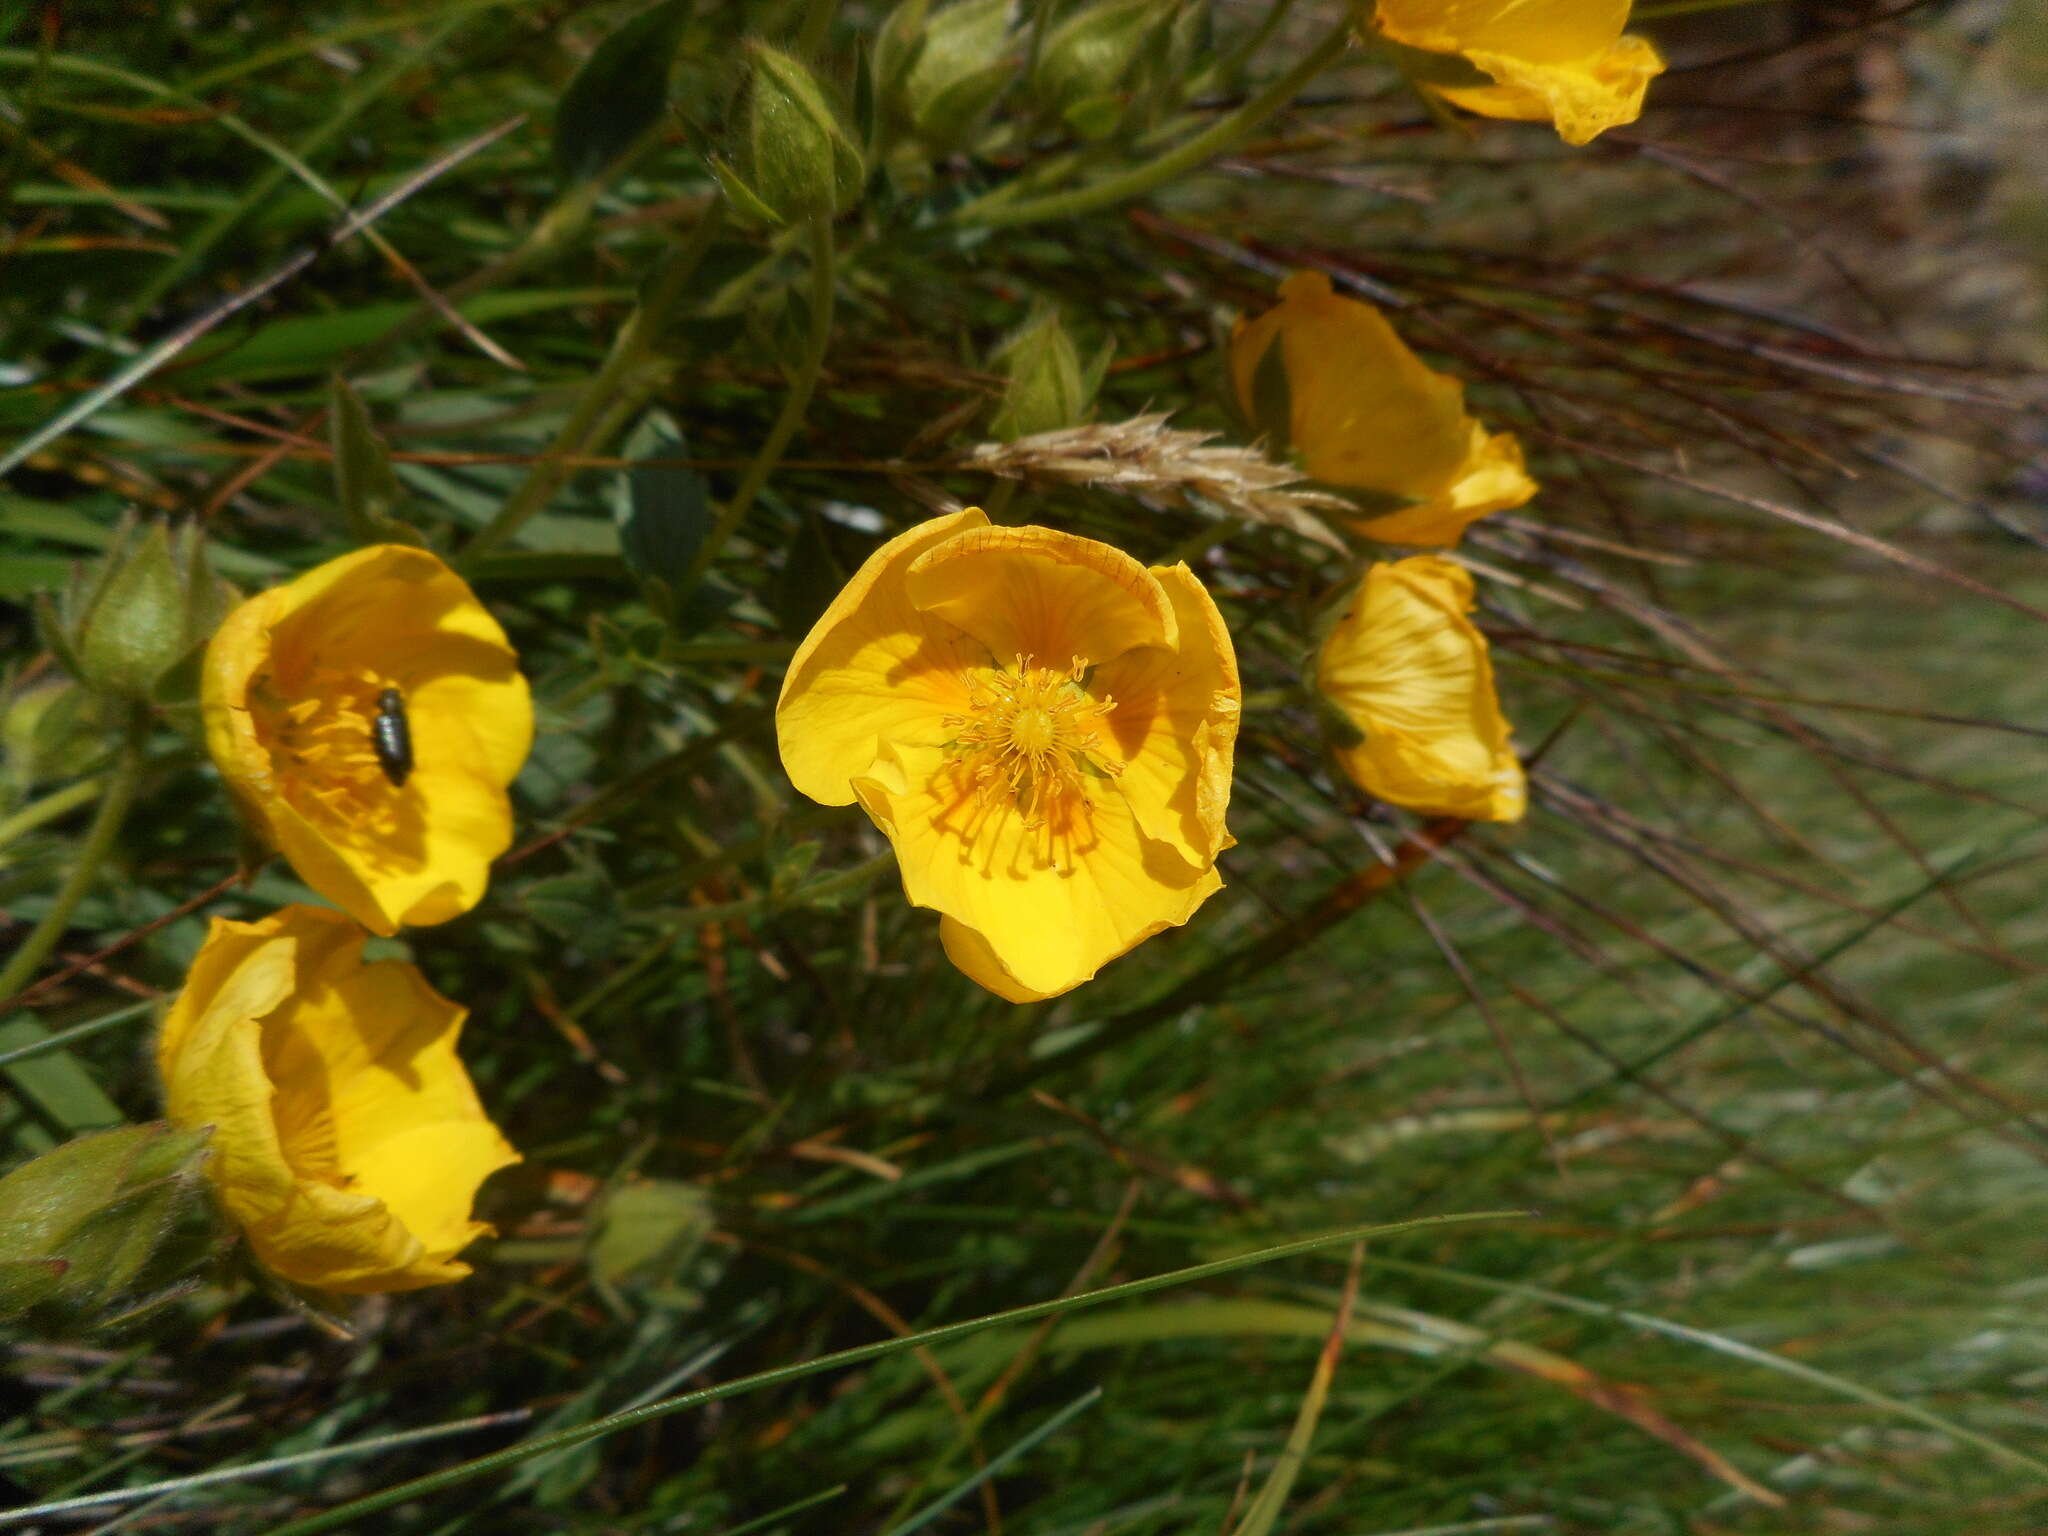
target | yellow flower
x=1042, y=727
x=1406, y=667
x=1363, y=411
x=347, y=1142
x=291, y=695
x=1562, y=61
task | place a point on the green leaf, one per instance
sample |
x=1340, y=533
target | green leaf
x=364, y=486
x=311, y=344
x=620, y=92
x=56, y=1085
x=665, y=514
x=811, y=577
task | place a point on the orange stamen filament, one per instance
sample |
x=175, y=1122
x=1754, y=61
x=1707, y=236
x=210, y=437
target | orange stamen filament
x=1029, y=738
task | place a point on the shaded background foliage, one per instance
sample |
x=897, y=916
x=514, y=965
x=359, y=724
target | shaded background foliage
x=1746, y=1014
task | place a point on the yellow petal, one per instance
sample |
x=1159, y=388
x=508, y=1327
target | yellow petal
x=1490, y=480
x=348, y=1140
x=1406, y=667
x=1041, y=593
x=331, y=642
x=1546, y=31
x=1174, y=728
x=1042, y=926
x=1583, y=98
x=872, y=668
x=1562, y=61
x=1366, y=412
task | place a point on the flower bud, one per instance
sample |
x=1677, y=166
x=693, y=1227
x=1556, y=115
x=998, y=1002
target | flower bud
x=150, y=603
x=960, y=61
x=86, y=1226
x=799, y=158
x=1048, y=388
x=1086, y=57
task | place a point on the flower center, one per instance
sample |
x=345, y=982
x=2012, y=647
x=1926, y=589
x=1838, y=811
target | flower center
x=1029, y=739
x=321, y=743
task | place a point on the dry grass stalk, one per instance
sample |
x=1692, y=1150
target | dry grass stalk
x=1164, y=466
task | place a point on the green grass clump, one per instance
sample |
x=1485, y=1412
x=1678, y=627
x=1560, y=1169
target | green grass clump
x=1735, y=1041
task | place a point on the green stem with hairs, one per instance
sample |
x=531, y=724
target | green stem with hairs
x=1003, y=206
x=58, y=803
x=618, y=389
x=794, y=405
x=122, y=781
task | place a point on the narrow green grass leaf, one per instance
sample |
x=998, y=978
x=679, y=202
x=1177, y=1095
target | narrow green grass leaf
x=258, y=1468
x=822, y=1496
x=1009, y=1454
x=54, y=1082
x=1841, y=1386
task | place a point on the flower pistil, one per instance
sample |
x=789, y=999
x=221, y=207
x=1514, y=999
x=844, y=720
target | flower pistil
x=1029, y=738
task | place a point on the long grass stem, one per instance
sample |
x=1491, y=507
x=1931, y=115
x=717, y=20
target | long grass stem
x=626, y=376
x=122, y=782
x=794, y=406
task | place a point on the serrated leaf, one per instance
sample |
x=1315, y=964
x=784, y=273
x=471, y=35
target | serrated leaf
x=620, y=92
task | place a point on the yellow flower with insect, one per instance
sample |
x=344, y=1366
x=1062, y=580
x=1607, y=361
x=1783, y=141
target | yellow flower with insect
x=367, y=717
x=1566, y=62
x=1410, y=675
x=1043, y=729
x=348, y=1142
x=1331, y=378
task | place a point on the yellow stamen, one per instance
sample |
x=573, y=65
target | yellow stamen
x=1028, y=738
x=320, y=744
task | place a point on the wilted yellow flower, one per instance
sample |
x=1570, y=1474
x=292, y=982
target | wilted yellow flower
x=1406, y=667
x=1042, y=727
x=298, y=682
x=1362, y=410
x=1562, y=61
x=348, y=1142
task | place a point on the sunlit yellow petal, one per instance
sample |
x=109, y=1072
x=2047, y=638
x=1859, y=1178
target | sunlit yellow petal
x=872, y=668
x=1549, y=31
x=1366, y=412
x=1407, y=667
x=1491, y=479
x=348, y=1140
x=293, y=682
x=1174, y=729
x=1051, y=904
x=1040, y=593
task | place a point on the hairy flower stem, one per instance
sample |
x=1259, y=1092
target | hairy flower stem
x=60, y=802
x=1003, y=206
x=613, y=395
x=121, y=784
x=794, y=405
